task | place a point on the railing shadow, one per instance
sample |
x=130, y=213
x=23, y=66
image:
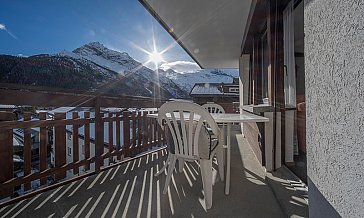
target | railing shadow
x=132, y=190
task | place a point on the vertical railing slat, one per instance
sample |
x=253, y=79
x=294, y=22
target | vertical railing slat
x=87, y=139
x=162, y=135
x=27, y=151
x=75, y=152
x=150, y=132
x=99, y=136
x=102, y=141
x=140, y=131
x=134, y=128
x=6, y=154
x=118, y=134
x=42, y=148
x=111, y=137
x=157, y=132
x=60, y=145
x=145, y=130
x=126, y=136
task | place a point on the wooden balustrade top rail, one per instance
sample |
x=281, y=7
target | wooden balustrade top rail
x=15, y=94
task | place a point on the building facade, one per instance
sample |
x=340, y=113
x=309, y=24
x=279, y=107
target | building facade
x=224, y=94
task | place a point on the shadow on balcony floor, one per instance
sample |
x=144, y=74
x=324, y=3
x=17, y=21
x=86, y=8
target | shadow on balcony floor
x=131, y=190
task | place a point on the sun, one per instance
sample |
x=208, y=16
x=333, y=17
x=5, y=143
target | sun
x=155, y=57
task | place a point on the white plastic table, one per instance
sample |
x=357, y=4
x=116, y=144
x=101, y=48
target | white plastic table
x=229, y=119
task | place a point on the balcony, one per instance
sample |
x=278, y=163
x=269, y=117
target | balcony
x=116, y=180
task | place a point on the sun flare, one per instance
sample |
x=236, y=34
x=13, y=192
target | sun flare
x=155, y=57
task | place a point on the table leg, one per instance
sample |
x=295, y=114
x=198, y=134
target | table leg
x=222, y=141
x=228, y=147
x=268, y=129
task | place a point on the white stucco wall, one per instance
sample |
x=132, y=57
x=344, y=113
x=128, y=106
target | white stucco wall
x=334, y=60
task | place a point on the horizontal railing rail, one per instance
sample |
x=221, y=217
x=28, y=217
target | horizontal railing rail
x=15, y=94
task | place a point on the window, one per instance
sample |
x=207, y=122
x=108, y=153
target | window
x=264, y=65
x=83, y=149
x=69, y=151
x=259, y=79
x=234, y=90
x=68, y=135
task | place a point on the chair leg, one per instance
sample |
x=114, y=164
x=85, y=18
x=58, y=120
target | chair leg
x=165, y=165
x=206, y=174
x=181, y=163
x=169, y=174
x=220, y=161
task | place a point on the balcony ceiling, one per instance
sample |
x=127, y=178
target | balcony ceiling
x=211, y=31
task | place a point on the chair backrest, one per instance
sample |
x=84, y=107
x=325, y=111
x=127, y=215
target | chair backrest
x=214, y=108
x=186, y=121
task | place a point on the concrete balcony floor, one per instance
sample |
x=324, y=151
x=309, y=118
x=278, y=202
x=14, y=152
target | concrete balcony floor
x=131, y=190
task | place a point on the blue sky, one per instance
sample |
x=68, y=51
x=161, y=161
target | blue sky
x=30, y=27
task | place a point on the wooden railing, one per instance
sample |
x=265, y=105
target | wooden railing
x=143, y=134
x=129, y=134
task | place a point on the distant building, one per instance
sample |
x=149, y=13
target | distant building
x=7, y=107
x=225, y=94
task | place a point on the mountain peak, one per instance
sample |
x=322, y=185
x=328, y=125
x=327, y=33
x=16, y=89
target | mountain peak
x=99, y=49
x=95, y=44
x=106, y=58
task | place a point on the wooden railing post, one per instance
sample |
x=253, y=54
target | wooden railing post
x=99, y=141
x=87, y=139
x=149, y=132
x=60, y=145
x=134, y=128
x=6, y=153
x=111, y=137
x=27, y=151
x=75, y=138
x=118, y=145
x=99, y=136
x=162, y=135
x=140, y=131
x=126, y=136
x=43, y=148
x=155, y=131
x=145, y=131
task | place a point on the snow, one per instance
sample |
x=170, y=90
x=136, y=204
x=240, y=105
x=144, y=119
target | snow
x=207, y=89
x=187, y=80
x=107, y=58
x=61, y=110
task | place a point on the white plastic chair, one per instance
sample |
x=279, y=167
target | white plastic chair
x=213, y=108
x=187, y=126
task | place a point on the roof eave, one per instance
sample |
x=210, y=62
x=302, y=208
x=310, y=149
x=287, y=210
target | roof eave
x=167, y=28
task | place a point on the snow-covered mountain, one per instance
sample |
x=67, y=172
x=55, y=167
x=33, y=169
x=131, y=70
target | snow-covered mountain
x=94, y=67
x=107, y=58
x=187, y=80
x=104, y=58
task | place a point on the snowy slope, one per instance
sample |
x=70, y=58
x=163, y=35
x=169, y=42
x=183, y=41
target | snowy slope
x=187, y=80
x=102, y=59
x=107, y=58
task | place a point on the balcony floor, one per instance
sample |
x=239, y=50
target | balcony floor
x=131, y=190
